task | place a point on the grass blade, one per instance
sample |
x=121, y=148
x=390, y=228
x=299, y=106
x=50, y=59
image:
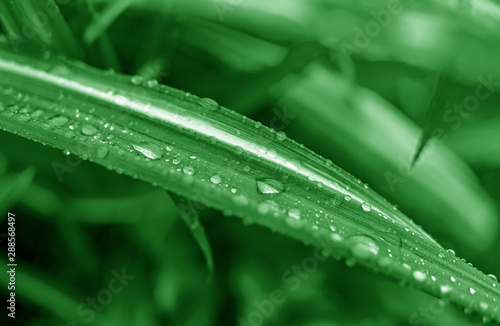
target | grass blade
x=38, y=25
x=204, y=152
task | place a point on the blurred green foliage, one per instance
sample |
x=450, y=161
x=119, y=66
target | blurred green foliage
x=352, y=80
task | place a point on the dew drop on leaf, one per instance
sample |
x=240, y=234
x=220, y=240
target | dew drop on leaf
x=59, y=120
x=89, y=130
x=102, y=152
x=419, y=276
x=137, y=80
x=209, y=104
x=188, y=170
x=240, y=200
x=366, y=206
x=445, y=289
x=216, y=179
x=267, y=206
x=294, y=213
x=281, y=135
x=363, y=246
x=269, y=186
x=24, y=117
x=150, y=150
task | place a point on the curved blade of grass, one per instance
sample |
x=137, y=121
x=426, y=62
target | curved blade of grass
x=439, y=102
x=199, y=150
x=191, y=217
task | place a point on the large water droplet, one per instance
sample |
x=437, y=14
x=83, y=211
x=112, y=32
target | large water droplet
x=294, y=213
x=363, y=246
x=366, y=206
x=269, y=186
x=59, y=120
x=188, y=170
x=216, y=179
x=150, y=150
x=137, y=80
x=268, y=206
x=281, y=135
x=102, y=152
x=419, y=276
x=445, y=289
x=209, y=104
x=89, y=130
x=240, y=200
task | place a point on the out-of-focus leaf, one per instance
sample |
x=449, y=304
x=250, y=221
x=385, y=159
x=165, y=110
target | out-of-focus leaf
x=373, y=130
x=13, y=186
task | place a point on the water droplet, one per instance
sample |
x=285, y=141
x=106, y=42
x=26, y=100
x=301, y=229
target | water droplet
x=176, y=160
x=363, y=246
x=188, y=170
x=102, y=152
x=472, y=291
x=294, y=213
x=240, y=200
x=347, y=198
x=150, y=150
x=246, y=168
x=209, y=104
x=216, y=179
x=453, y=279
x=169, y=148
x=293, y=219
x=37, y=114
x=121, y=100
x=272, y=153
x=451, y=251
x=89, y=130
x=267, y=206
x=137, y=80
x=445, y=289
x=24, y=117
x=493, y=277
x=483, y=306
x=419, y=276
x=281, y=135
x=269, y=186
x=366, y=206
x=59, y=120
x=152, y=83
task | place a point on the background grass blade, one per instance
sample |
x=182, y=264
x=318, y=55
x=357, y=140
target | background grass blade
x=199, y=150
x=369, y=129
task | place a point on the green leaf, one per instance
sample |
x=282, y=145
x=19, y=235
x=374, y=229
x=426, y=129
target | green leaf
x=13, y=186
x=199, y=150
